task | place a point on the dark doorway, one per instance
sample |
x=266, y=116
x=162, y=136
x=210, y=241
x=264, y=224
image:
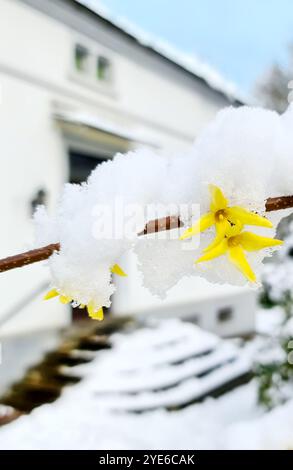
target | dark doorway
x=82, y=164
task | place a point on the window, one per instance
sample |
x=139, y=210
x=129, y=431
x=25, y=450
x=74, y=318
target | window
x=225, y=314
x=81, y=58
x=103, y=68
x=91, y=66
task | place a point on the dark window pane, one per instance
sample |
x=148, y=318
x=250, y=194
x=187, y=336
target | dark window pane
x=81, y=57
x=103, y=68
x=225, y=314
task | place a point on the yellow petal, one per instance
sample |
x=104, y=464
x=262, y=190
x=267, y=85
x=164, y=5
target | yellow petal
x=248, y=218
x=222, y=228
x=91, y=308
x=64, y=299
x=98, y=315
x=52, y=293
x=94, y=313
x=217, y=251
x=252, y=242
x=206, y=221
x=218, y=201
x=117, y=270
x=238, y=258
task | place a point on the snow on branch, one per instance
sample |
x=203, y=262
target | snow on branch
x=245, y=154
x=154, y=226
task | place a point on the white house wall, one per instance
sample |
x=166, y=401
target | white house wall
x=32, y=157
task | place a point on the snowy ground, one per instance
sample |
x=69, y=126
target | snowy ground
x=230, y=422
x=91, y=416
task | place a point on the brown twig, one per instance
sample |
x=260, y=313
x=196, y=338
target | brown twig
x=278, y=203
x=29, y=257
x=161, y=225
x=158, y=225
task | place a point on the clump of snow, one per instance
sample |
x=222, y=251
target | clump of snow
x=46, y=231
x=240, y=152
x=245, y=151
x=163, y=263
x=81, y=270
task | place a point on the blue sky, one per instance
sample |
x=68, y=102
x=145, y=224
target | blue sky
x=240, y=38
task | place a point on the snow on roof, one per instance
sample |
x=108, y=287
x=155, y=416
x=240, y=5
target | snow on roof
x=189, y=63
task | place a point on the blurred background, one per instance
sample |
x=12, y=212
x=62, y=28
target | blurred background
x=81, y=80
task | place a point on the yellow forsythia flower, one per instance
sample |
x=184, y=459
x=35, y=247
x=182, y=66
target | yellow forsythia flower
x=221, y=215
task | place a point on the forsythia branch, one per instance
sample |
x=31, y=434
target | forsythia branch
x=158, y=225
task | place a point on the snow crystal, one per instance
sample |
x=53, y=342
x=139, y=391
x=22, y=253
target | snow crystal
x=247, y=152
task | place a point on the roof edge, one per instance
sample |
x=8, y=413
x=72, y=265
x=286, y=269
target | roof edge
x=187, y=63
